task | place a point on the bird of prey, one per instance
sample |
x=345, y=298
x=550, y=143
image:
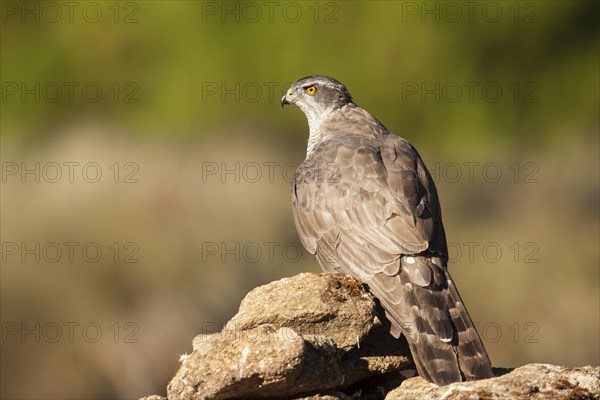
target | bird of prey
x=365, y=205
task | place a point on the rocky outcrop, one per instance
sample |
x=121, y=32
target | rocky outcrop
x=334, y=306
x=532, y=381
x=321, y=336
x=302, y=335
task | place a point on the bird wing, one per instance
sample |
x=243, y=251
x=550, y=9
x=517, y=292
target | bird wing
x=369, y=208
x=374, y=196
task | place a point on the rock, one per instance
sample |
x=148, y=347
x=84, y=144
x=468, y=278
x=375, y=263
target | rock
x=265, y=361
x=532, y=381
x=301, y=335
x=324, y=337
x=379, y=353
x=154, y=397
x=327, y=396
x=268, y=361
x=335, y=306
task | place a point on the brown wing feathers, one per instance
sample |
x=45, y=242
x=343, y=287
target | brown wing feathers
x=379, y=219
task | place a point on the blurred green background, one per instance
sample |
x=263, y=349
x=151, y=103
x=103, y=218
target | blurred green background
x=146, y=165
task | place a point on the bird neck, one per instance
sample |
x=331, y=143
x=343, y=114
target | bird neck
x=316, y=119
x=326, y=125
x=314, y=138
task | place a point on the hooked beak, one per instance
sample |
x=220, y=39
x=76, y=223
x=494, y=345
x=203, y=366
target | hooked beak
x=288, y=98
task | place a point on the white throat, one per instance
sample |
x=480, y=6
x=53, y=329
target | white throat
x=315, y=118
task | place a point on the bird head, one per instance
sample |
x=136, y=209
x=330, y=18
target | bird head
x=317, y=95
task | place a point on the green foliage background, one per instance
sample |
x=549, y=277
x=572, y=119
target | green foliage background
x=168, y=56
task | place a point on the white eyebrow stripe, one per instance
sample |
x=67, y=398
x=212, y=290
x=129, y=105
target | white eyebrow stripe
x=327, y=84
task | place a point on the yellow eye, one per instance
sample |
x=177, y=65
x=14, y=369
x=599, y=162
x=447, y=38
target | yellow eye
x=311, y=90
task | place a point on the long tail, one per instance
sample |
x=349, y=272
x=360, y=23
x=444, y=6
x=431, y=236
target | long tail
x=430, y=313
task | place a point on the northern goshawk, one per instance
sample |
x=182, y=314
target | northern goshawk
x=365, y=205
